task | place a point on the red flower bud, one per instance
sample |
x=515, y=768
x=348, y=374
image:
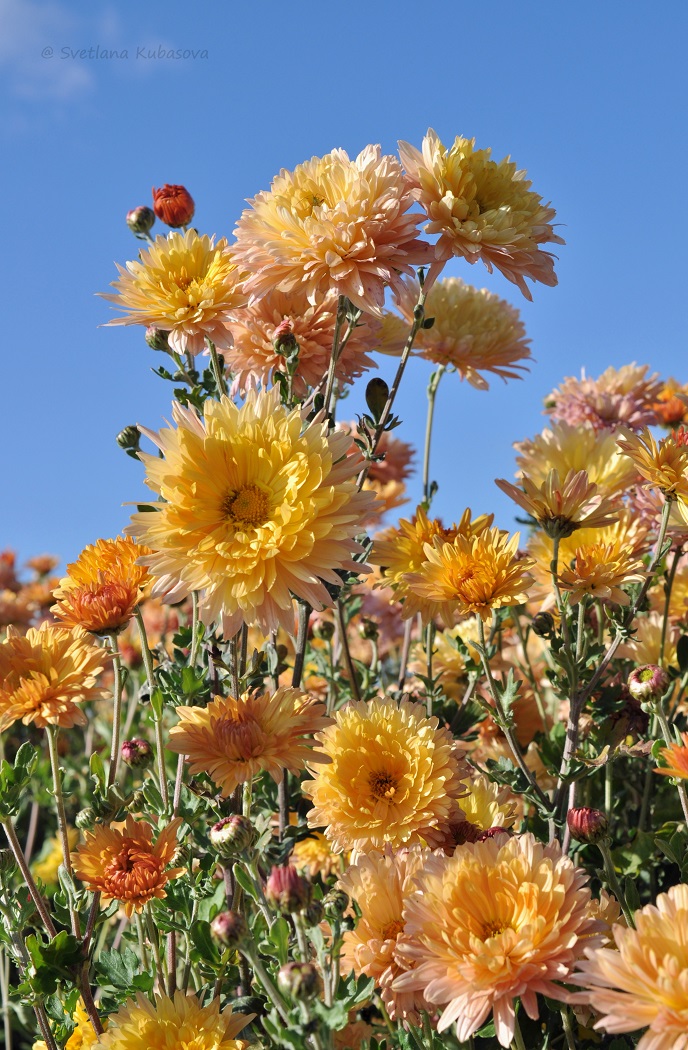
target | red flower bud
x=587, y=825
x=173, y=205
x=287, y=891
x=648, y=682
x=137, y=752
x=229, y=929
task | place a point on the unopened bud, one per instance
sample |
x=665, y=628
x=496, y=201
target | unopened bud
x=587, y=825
x=229, y=929
x=140, y=220
x=335, y=903
x=542, y=624
x=232, y=835
x=314, y=913
x=648, y=683
x=173, y=205
x=129, y=438
x=369, y=630
x=300, y=980
x=287, y=891
x=137, y=753
x=85, y=818
x=376, y=396
x=323, y=629
x=7, y=861
x=284, y=340
x=157, y=338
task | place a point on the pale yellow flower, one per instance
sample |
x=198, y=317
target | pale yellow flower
x=663, y=463
x=45, y=866
x=567, y=448
x=600, y=571
x=447, y=660
x=180, y=1023
x=561, y=507
x=314, y=857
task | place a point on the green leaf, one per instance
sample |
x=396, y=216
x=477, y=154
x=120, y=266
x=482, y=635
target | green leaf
x=279, y=935
x=118, y=968
x=97, y=770
x=243, y=878
x=631, y=894
x=203, y=942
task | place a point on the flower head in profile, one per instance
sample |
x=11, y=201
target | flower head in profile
x=676, y=757
x=501, y=919
x=481, y=209
x=566, y=448
x=180, y=1023
x=643, y=981
x=333, y=224
x=620, y=397
x=256, y=508
x=103, y=586
x=392, y=777
x=184, y=284
x=122, y=863
x=471, y=575
x=234, y=740
x=46, y=674
x=663, y=463
x=561, y=507
x=487, y=805
x=474, y=331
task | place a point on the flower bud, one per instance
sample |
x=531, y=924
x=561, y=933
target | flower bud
x=7, y=862
x=314, y=913
x=137, y=753
x=229, y=929
x=587, y=825
x=173, y=205
x=542, y=624
x=157, y=338
x=287, y=891
x=129, y=438
x=369, y=630
x=140, y=220
x=648, y=683
x=85, y=818
x=376, y=396
x=300, y=980
x=232, y=835
x=335, y=903
x=323, y=629
x=284, y=340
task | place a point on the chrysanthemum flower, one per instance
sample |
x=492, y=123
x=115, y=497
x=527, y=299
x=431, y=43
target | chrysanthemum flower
x=83, y=1037
x=663, y=463
x=650, y=633
x=254, y=357
x=256, y=509
x=333, y=224
x=103, y=586
x=676, y=758
x=393, y=777
x=561, y=507
x=45, y=866
x=600, y=570
x=380, y=883
x=567, y=448
x=671, y=406
x=474, y=331
x=180, y=1023
x=46, y=673
x=487, y=805
x=643, y=982
x=481, y=209
x=184, y=284
x=122, y=863
x=501, y=919
x=234, y=740
x=619, y=397
x=470, y=575
x=447, y=659
x=313, y=856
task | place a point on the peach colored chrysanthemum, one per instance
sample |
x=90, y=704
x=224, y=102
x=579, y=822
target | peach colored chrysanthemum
x=561, y=507
x=474, y=331
x=380, y=883
x=122, y=863
x=481, y=209
x=393, y=777
x=333, y=224
x=643, y=982
x=671, y=406
x=676, y=757
x=470, y=575
x=501, y=919
x=103, y=586
x=620, y=397
x=184, y=284
x=650, y=633
x=257, y=507
x=180, y=1023
x=600, y=570
x=254, y=358
x=234, y=740
x=46, y=673
x=663, y=463
x=386, y=475
x=566, y=448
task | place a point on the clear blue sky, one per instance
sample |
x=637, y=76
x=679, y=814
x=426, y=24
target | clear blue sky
x=589, y=97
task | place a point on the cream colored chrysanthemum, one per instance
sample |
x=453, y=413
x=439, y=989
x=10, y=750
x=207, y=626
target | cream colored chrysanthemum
x=562, y=507
x=474, y=331
x=103, y=586
x=645, y=645
x=447, y=660
x=482, y=209
x=566, y=448
x=184, y=284
x=313, y=857
x=232, y=740
x=257, y=508
x=643, y=982
x=392, y=777
x=487, y=805
x=46, y=673
x=600, y=571
x=180, y=1023
x=333, y=224
x=619, y=397
x=380, y=883
x=501, y=919
x=663, y=463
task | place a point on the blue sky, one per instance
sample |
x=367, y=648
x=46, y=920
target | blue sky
x=590, y=98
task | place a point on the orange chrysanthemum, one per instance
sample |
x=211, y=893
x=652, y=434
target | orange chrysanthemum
x=501, y=919
x=671, y=406
x=676, y=758
x=103, y=586
x=121, y=862
x=46, y=673
x=600, y=570
x=561, y=507
x=333, y=224
x=180, y=1023
x=235, y=740
x=481, y=209
x=393, y=777
x=184, y=284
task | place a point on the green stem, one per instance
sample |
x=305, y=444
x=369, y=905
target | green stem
x=613, y=881
x=518, y=1043
x=62, y=819
x=667, y=602
x=429, y=652
x=344, y=642
x=432, y=395
x=217, y=371
x=157, y=722
x=261, y=973
x=195, y=633
x=334, y=356
x=116, y=708
x=153, y=939
x=38, y=900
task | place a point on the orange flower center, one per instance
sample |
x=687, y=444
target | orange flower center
x=494, y=927
x=249, y=506
x=242, y=740
x=131, y=872
x=392, y=929
x=382, y=785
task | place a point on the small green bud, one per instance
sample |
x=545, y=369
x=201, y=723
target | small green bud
x=376, y=396
x=300, y=980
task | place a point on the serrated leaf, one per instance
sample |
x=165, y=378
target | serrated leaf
x=203, y=942
x=119, y=968
x=279, y=935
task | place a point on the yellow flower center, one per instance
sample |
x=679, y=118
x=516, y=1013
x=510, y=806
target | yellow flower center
x=249, y=505
x=494, y=927
x=382, y=785
x=392, y=929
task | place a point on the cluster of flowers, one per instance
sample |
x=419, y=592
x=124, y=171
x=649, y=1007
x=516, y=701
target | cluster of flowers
x=359, y=777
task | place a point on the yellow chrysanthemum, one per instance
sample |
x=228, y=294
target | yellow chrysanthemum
x=501, y=919
x=643, y=982
x=233, y=740
x=474, y=331
x=256, y=509
x=600, y=570
x=473, y=575
x=676, y=757
x=645, y=646
x=103, y=586
x=314, y=857
x=180, y=1023
x=487, y=805
x=83, y=1037
x=663, y=463
x=567, y=448
x=393, y=777
x=121, y=862
x=482, y=209
x=447, y=661
x=45, y=866
x=184, y=284
x=561, y=507
x=380, y=883
x=46, y=673
x=333, y=224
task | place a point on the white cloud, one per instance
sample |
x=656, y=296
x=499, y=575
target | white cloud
x=29, y=31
